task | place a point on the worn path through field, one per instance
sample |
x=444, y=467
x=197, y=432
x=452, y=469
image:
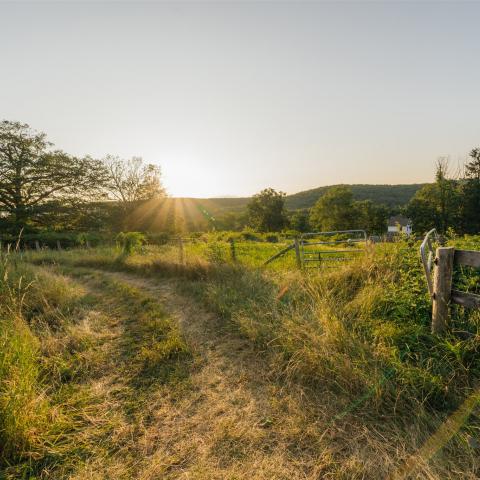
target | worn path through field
x=233, y=421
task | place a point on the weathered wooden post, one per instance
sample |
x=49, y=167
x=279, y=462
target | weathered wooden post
x=233, y=253
x=297, y=253
x=442, y=288
x=181, y=253
x=37, y=244
x=59, y=245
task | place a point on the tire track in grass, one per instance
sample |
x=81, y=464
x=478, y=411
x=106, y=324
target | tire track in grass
x=228, y=425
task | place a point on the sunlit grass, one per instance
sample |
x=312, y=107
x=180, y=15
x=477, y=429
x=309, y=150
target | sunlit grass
x=356, y=336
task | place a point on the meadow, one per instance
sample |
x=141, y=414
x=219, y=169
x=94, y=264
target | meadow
x=161, y=364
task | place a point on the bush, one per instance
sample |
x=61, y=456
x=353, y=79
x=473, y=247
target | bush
x=271, y=238
x=250, y=235
x=130, y=242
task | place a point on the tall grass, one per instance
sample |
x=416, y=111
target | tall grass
x=53, y=335
x=362, y=326
x=22, y=403
x=359, y=334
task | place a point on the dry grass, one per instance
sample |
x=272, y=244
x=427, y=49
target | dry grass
x=216, y=371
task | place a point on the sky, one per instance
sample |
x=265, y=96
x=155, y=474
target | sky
x=230, y=98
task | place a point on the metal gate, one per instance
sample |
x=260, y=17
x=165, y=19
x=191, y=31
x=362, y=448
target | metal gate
x=327, y=249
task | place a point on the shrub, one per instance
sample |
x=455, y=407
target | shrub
x=250, y=235
x=130, y=242
x=271, y=238
x=216, y=253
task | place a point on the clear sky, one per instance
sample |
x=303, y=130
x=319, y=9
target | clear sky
x=229, y=98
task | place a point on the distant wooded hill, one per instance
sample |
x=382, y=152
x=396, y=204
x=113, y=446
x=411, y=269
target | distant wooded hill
x=391, y=195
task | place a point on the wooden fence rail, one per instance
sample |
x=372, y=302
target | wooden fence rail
x=443, y=293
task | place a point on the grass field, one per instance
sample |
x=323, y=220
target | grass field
x=140, y=366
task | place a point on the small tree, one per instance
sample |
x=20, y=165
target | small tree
x=266, y=211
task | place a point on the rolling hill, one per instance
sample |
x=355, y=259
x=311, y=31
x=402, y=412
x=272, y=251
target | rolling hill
x=391, y=195
x=196, y=214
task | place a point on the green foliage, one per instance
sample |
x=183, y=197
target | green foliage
x=49, y=239
x=216, y=252
x=52, y=354
x=371, y=217
x=299, y=221
x=271, y=238
x=334, y=211
x=437, y=205
x=22, y=408
x=337, y=210
x=34, y=175
x=266, y=211
x=250, y=235
x=362, y=327
x=130, y=242
x=389, y=195
x=359, y=332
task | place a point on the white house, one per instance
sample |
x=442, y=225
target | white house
x=399, y=224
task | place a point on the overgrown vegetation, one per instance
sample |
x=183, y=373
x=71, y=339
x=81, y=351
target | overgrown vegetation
x=130, y=242
x=60, y=337
x=140, y=354
x=355, y=340
x=452, y=202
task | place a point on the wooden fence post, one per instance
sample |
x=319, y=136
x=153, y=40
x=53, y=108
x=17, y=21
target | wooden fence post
x=37, y=244
x=442, y=288
x=59, y=245
x=233, y=253
x=297, y=253
x=181, y=255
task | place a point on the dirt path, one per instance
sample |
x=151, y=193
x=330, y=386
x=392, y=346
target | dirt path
x=230, y=422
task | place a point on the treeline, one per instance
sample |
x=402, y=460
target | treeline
x=45, y=190
x=335, y=210
x=42, y=188
x=452, y=202
x=392, y=196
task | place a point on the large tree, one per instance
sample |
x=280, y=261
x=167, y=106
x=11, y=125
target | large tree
x=132, y=180
x=335, y=210
x=371, y=216
x=299, y=221
x=266, y=211
x=33, y=175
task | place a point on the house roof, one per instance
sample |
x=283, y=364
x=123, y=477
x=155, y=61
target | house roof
x=399, y=220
